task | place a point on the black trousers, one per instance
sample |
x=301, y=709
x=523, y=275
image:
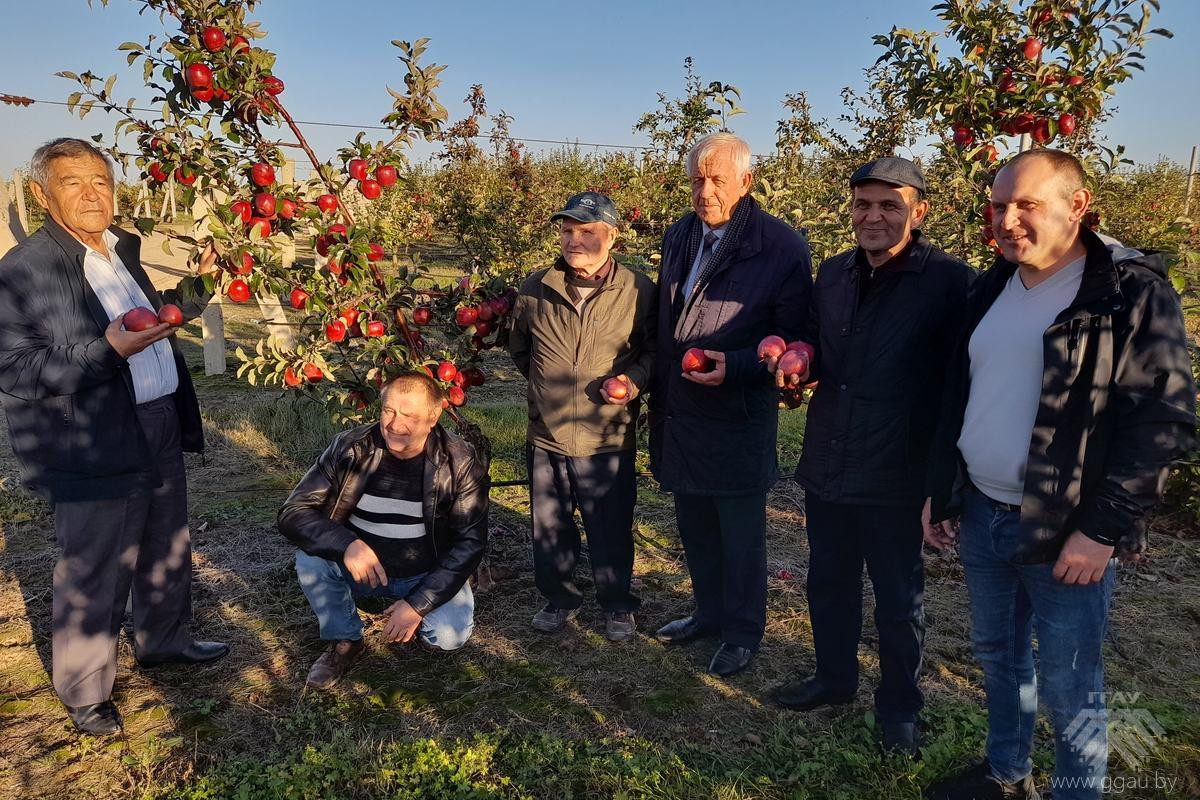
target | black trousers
x=140, y=541
x=603, y=487
x=841, y=538
x=725, y=539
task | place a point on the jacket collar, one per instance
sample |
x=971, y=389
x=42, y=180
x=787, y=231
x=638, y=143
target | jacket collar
x=1099, y=281
x=555, y=279
x=912, y=259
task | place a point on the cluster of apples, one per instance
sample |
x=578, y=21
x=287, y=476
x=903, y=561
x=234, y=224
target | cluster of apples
x=792, y=359
x=457, y=382
x=141, y=318
x=347, y=325
x=385, y=177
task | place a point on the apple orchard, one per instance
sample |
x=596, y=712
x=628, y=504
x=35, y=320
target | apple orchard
x=999, y=71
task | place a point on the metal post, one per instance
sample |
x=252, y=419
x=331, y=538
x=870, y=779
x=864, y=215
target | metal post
x=1191, y=179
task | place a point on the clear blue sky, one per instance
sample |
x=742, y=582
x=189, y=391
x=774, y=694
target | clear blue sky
x=564, y=71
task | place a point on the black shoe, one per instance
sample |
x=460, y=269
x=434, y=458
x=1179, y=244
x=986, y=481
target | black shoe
x=902, y=739
x=194, y=653
x=682, y=631
x=98, y=719
x=807, y=694
x=978, y=783
x=729, y=660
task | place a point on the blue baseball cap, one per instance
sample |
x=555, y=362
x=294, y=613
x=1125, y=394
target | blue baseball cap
x=588, y=207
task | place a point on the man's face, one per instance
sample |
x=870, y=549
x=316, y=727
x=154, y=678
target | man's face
x=716, y=188
x=884, y=216
x=406, y=419
x=585, y=245
x=1035, y=219
x=79, y=196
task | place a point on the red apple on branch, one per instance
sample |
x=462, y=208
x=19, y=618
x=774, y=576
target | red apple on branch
x=375, y=328
x=1032, y=48
x=238, y=291
x=386, y=175
x=457, y=396
x=421, y=315
x=466, y=316
x=243, y=210
x=158, y=173
x=357, y=169
x=213, y=38
x=291, y=378
x=328, y=203
x=199, y=76
x=299, y=298
x=262, y=174
x=335, y=331
x=446, y=371
x=287, y=209
x=370, y=189
x=272, y=85
x=264, y=204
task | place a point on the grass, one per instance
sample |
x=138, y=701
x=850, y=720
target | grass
x=515, y=714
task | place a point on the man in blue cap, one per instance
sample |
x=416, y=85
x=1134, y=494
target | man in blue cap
x=583, y=336
x=884, y=320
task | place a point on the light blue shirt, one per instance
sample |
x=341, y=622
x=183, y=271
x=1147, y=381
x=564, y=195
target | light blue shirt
x=153, y=369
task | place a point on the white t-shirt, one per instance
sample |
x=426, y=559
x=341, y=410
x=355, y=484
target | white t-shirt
x=1006, y=380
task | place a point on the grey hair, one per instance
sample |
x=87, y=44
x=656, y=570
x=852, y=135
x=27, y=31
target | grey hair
x=39, y=165
x=710, y=145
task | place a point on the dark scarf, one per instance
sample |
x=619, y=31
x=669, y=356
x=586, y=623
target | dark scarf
x=575, y=281
x=734, y=230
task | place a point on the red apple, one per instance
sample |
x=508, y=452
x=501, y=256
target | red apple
x=246, y=265
x=1041, y=131
x=299, y=298
x=1066, y=124
x=963, y=136
x=695, y=360
x=240, y=44
x=1024, y=122
x=1074, y=80
x=328, y=203
x=312, y=372
x=1007, y=85
x=421, y=315
x=290, y=377
x=243, y=210
x=263, y=226
x=375, y=253
x=321, y=245
x=793, y=362
x=264, y=204
x=370, y=189
x=220, y=94
x=987, y=153
x=466, y=316
x=616, y=388
x=771, y=347
x=170, y=314
x=486, y=312
x=185, y=176
x=139, y=319
x=1032, y=48
x=272, y=85
x=335, y=331
x=357, y=169
x=337, y=232
x=349, y=316
x=375, y=328
x=213, y=38
x=262, y=174
x=457, y=396
x=386, y=175
x=199, y=76
x=446, y=371
x=482, y=327
x=474, y=375
x=204, y=94
x=158, y=173
x=238, y=291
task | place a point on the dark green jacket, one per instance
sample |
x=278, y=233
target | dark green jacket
x=566, y=354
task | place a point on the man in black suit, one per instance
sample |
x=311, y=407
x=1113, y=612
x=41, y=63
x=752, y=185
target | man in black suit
x=99, y=418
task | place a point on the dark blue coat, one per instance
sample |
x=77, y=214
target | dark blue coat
x=721, y=440
x=67, y=394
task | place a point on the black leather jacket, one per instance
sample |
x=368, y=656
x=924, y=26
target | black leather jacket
x=455, y=506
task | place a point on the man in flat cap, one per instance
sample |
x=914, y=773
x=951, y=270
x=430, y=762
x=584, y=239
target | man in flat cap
x=884, y=319
x=583, y=335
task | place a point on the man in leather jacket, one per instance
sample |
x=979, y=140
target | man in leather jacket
x=395, y=510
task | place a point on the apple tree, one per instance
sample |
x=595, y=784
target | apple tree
x=362, y=316
x=1002, y=70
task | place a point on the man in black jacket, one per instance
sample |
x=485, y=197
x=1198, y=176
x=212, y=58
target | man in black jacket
x=395, y=510
x=884, y=321
x=99, y=418
x=1070, y=394
x=730, y=275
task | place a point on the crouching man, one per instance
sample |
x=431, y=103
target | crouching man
x=395, y=510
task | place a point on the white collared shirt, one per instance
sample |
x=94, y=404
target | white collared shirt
x=693, y=275
x=153, y=369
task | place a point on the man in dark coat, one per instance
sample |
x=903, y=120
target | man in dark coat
x=99, y=418
x=1068, y=397
x=884, y=322
x=730, y=275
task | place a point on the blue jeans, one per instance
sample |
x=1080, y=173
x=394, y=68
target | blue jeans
x=1007, y=601
x=331, y=591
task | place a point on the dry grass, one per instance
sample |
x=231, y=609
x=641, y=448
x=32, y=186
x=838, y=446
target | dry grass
x=573, y=686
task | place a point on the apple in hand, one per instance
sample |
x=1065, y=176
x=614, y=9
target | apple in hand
x=771, y=347
x=171, y=314
x=616, y=388
x=139, y=319
x=694, y=360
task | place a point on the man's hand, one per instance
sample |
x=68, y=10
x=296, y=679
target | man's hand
x=208, y=260
x=402, y=623
x=612, y=401
x=938, y=535
x=364, y=565
x=785, y=381
x=715, y=376
x=1082, y=561
x=128, y=343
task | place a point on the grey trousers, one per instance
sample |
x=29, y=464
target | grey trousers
x=140, y=541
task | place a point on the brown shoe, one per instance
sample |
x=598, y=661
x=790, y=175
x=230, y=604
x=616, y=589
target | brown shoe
x=333, y=663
